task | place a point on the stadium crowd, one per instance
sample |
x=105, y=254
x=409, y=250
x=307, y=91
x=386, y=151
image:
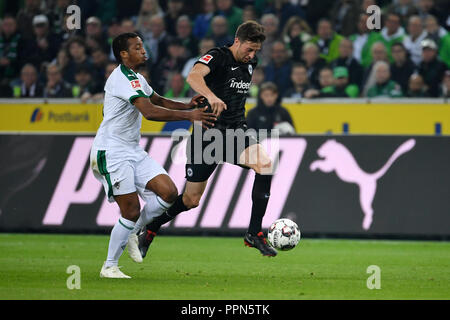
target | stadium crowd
x=320, y=48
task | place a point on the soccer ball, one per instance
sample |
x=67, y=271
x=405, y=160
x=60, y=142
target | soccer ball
x=284, y=234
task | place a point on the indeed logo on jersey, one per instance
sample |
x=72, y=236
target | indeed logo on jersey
x=239, y=85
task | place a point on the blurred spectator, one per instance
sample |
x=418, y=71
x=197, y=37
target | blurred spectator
x=271, y=23
x=431, y=68
x=113, y=31
x=343, y=87
x=173, y=62
x=300, y=83
x=404, y=9
x=312, y=62
x=445, y=87
x=219, y=32
x=148, y=9
x=10, y=41
x=184, y=34
x=203, y=20
x=85, y=86
x=44, y=46
x=279, y=68
x=76, y=49
x=347, y=60
x=268, y=113
x=28, y=85
x=392, y=31
x=99, y=62
x=296, y=32
x=257, y=79
x=157, y=40
x=379, y=53
x=334, y=84
x=413, y=40
x=95, y=36
x=343, y=15
x=25, y=17
x=384, y=86
x=327, y=40
x=363, y=41
x=249, y=13
x=433, y=30
x=325, y=83
x=205, y=45
x=56, y=87
x=175, y=8
x=127, y=25
x=177, y=86
x=402, y=68
x=416, y=87
x=62, y=59
x=232, y=13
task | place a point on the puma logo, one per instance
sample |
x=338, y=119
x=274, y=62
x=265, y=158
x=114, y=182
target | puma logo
x=336, y=157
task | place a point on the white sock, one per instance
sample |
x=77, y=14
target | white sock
x=118, y=240
x=154, y=207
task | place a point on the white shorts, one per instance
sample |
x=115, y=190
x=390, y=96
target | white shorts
x=126, y=176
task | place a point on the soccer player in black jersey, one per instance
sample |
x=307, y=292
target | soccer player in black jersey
x=223, y=77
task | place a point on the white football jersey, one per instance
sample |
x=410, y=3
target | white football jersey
x=119, y=131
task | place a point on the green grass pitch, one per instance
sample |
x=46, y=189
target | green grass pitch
x=34, y=267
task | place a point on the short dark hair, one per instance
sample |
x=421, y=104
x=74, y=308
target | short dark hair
x=250, y=31
x=120, y=43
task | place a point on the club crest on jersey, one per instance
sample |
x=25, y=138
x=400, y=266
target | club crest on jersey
x=135, y=84
x=250, y=69
x=206, y=58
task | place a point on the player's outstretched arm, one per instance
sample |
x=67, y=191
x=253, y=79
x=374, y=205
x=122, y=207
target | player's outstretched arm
x=176, y=105
x=196, y=80
x=157, y=113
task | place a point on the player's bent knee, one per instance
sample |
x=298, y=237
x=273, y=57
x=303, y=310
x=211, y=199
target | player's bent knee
x=129, y=206
x=170, y=195
x=131, y=212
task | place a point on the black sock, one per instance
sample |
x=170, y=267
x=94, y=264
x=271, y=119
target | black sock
x=260, y=198
x=177, y=207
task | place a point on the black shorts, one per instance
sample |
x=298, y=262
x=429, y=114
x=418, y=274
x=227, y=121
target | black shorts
x=217, y=146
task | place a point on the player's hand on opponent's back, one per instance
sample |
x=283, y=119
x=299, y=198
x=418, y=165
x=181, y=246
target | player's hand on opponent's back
x=217, y=105
x=201, y=114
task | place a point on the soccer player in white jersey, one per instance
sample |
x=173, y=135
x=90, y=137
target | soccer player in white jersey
x=118, y=161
